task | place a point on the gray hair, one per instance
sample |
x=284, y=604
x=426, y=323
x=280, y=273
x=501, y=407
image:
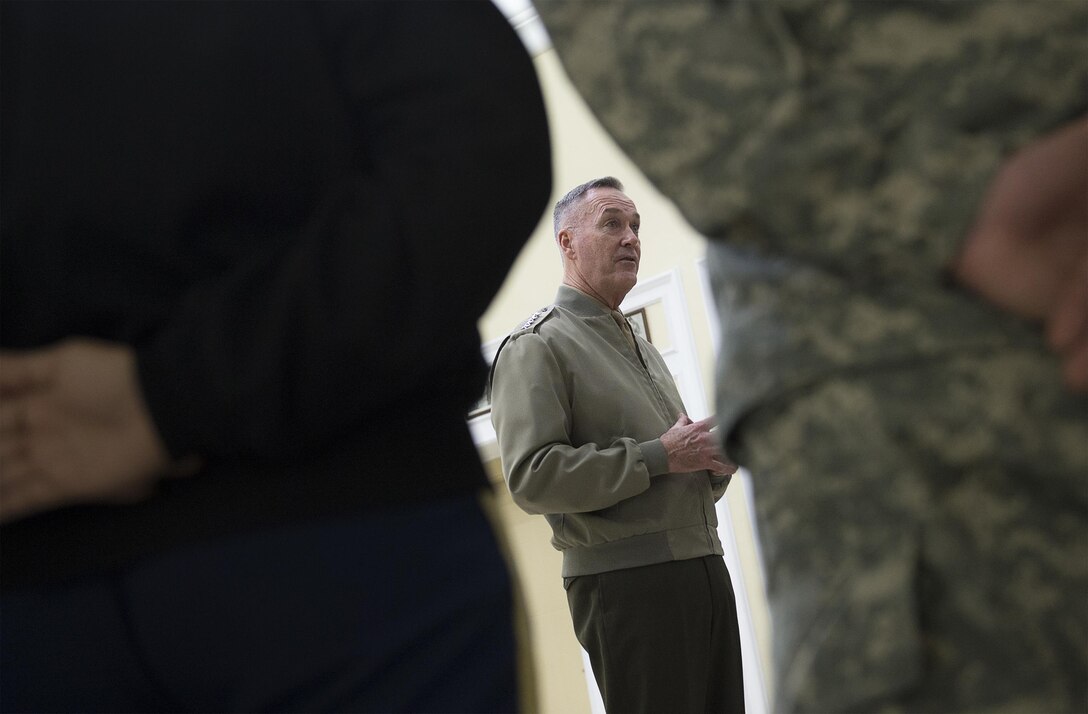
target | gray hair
x=574, y=196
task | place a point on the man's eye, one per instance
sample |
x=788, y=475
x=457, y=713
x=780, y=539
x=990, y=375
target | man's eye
x=635, y=228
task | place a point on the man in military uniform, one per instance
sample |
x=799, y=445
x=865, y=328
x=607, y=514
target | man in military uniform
x=895, y=197
x=593, y=434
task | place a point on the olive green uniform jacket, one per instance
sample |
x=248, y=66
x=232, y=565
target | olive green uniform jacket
x=579, y=415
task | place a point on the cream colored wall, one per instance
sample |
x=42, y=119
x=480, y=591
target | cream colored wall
x=583, y=151
x=557, y=658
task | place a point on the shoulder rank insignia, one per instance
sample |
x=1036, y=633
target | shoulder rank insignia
x=536, y=317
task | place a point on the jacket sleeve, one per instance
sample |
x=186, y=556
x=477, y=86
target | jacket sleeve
x=373, y=305
x=545, y=472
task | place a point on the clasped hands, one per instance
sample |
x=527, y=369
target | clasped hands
x=74, y=429
x=692, y=447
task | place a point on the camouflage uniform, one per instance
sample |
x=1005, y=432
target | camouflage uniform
x=920, y=475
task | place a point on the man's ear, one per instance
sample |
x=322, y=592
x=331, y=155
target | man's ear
x=566, y=244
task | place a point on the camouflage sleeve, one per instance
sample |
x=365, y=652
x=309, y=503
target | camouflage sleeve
x=856, y=137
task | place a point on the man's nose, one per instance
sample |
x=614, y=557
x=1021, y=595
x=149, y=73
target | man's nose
x=630, y=237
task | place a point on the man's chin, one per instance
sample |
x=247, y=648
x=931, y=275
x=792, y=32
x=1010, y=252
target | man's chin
x=626, y=281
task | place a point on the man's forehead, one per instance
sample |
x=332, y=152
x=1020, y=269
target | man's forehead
x=601, y=200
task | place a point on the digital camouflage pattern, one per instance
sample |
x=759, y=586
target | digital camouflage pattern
x=921, y=477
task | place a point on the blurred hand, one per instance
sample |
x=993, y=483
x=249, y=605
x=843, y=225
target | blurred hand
x=1028, y=249
x=74, y=429
x=691, y=447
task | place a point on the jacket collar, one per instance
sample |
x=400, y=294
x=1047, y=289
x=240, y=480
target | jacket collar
x=579, y=303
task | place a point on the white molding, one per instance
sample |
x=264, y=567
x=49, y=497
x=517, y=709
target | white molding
x=530, y=28
x=755, y=690
x=712, y=322
x=481, y=428
x=668, y=289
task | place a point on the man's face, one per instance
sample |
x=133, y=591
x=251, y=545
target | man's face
x=602, y=247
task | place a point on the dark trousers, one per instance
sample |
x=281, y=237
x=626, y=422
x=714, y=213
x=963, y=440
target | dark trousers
x=406, y=609
x=661, y=638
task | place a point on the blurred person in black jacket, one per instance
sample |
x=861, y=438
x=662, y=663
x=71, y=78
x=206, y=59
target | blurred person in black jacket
x=243, y=252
